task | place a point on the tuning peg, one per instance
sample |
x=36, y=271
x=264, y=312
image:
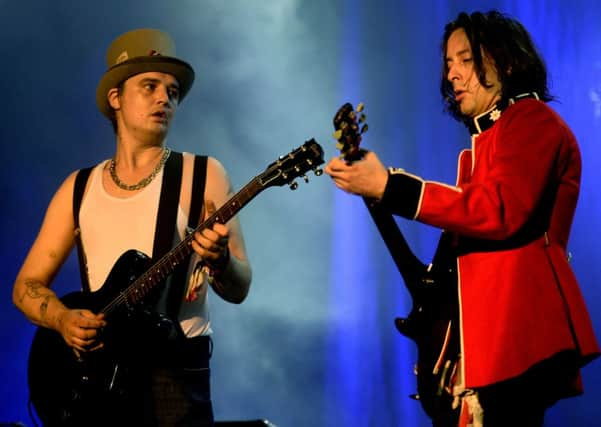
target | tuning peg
x=360, y=107
x=318, y=172
x=362, y=118
x=305, y=178
x=338, y=134
x=364, y=128
x=293, y=185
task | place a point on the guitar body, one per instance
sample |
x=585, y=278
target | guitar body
x=433, y=325
x=68, y=390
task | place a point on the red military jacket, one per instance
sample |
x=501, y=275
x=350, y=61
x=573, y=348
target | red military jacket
x=512, y=210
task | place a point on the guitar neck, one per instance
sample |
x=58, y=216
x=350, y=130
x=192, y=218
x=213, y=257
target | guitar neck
x=407, y=263
x=221, y=216
x=281, y=172
x=155, y=275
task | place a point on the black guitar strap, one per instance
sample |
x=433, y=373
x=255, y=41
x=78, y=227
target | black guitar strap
x=198, y=190
x=80, y=185
x=176, y=291
x=168, y=206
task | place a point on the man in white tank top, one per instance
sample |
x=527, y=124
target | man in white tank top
x=139, y=94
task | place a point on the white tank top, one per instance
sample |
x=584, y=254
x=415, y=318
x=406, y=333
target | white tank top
x=111, y=226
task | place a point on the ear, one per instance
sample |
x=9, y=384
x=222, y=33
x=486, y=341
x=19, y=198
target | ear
x=113, y=98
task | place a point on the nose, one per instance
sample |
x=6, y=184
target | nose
x=453, y=72
x=162, y=94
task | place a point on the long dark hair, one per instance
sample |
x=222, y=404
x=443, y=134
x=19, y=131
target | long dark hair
x=505, y=40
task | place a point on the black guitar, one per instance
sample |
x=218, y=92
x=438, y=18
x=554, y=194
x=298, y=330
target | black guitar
x=433, y=320
x=67, y=389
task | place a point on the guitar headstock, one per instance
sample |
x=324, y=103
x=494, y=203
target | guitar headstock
x=350, y=125
x=293, y=165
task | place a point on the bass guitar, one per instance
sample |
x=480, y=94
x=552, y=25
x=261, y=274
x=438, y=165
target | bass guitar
x=66, y=387
x=433, y=320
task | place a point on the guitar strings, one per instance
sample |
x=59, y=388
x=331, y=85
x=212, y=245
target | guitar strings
x=169, y=261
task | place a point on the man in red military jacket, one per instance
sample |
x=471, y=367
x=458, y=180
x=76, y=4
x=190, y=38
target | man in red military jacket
x=524, y=327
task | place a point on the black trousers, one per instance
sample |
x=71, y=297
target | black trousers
x=169, y=387
x=522, y=401
x=181, y=389
x=507, y=404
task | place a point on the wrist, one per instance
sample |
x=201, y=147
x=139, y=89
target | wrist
x=218, y=266
x=383, y=182
x=57, y=319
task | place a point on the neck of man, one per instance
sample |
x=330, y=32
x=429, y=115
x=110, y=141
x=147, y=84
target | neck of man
x=133, y=154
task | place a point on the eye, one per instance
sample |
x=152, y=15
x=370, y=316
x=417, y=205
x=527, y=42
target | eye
x=174, y=94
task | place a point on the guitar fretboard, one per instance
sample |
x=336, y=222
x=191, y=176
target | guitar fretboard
x=138, y=290
x=283, y=171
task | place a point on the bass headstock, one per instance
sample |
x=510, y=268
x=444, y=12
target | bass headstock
x=350, y=124
x=295, y=164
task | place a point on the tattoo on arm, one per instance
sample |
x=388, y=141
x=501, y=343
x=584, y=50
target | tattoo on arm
x=44, y=306
x=34, y=289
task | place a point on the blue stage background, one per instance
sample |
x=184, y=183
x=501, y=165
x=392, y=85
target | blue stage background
x=314, y=344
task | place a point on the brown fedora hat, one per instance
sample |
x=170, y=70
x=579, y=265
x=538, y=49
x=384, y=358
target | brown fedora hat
x=141, y=51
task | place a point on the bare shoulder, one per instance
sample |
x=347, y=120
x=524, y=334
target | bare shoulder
x=60, y=210
x=214, y=166
x=218, y=181
x=59, y=215
x=64, y=194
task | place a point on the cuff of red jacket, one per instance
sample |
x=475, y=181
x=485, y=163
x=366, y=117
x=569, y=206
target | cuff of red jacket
x=403, y=193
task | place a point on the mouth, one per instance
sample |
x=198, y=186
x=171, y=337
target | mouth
x=160, y=116
x=459, y=95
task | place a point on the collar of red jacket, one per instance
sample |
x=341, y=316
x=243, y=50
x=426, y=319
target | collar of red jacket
x=485, y=120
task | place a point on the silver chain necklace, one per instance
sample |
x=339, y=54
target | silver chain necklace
x=144, y=182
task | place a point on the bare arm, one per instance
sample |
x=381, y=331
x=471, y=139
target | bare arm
x=224, y=243
x=31, y=291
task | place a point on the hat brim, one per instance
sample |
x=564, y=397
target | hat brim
x=181, y=70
